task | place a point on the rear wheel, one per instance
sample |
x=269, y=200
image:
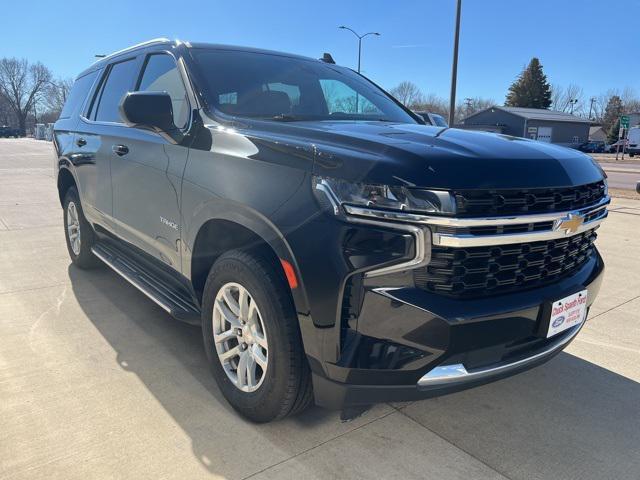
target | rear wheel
x=252, y=339
x=79, y=233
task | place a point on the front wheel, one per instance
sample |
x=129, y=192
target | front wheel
x=252, y=338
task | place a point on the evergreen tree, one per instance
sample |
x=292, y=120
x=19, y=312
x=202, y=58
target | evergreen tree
x=614, y=132
x=531, y=89
x=612, y=113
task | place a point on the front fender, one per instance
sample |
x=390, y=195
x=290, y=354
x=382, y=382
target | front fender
x=260, y=225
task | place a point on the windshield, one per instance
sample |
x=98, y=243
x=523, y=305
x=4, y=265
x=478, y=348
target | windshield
x=277, y=87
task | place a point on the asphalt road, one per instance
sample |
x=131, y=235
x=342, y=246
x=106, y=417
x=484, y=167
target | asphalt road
x=96, y=381
x=624, y=176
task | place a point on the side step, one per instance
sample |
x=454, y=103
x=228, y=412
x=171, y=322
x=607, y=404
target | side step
x=173, y=300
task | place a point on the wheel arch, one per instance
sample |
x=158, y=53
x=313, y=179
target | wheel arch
x=224, y=227
x=66, y=179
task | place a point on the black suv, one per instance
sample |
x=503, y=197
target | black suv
x=332, y=247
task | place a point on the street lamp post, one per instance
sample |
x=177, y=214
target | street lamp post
x=360, y=37
x=572, y=102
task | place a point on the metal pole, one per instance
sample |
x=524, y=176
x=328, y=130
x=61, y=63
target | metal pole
x=454, y=68
x=360, y=37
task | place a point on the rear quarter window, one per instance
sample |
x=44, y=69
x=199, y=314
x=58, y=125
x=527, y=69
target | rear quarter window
x=78, y=94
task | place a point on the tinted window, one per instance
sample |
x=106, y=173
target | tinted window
x=77, y=95
x=280, y=87
x=119, y=82
x=161, y=75
x=340, y=98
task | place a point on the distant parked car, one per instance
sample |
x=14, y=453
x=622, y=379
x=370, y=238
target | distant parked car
x=434, y=119
x=592, y=147
x=6, y=132
x=611, y=148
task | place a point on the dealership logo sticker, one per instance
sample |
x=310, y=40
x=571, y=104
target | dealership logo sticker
x=567, y=312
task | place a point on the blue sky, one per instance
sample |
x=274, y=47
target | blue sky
x=573, y=38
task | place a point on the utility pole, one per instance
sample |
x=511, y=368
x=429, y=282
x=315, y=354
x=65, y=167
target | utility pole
x=454, y=67
x=592, y=100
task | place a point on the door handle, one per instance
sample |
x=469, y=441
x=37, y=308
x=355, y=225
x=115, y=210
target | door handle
x=81, y=142
x=120, y=150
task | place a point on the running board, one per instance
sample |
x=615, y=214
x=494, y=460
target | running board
x=174, y=301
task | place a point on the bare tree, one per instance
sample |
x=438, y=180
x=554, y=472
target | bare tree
x=408, y=94
x=630, y=100
x=473, y=105
x=56, y=93
x=22, y=83
x=569, y=99
x=6, y=113
x=433, y=103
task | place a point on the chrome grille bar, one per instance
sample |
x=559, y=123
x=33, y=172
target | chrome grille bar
x=593, y=215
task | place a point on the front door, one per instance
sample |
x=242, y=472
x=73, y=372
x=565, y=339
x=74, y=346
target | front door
x=146, y=171
x=146, y=168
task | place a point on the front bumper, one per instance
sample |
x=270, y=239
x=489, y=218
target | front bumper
x=408, y=344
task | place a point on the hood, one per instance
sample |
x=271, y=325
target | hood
x=434, y=157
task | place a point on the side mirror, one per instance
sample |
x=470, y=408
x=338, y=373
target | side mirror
x=152, y=110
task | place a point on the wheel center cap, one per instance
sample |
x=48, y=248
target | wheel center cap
x=246, y=334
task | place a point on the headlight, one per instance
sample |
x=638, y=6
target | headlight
x=387, y=197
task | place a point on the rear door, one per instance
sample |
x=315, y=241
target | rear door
x=98, y=129
x=146, y=169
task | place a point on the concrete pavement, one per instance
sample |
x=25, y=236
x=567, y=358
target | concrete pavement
x=96, y=381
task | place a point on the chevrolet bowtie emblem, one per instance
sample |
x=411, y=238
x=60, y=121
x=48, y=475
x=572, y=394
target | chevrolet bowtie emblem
x=570, y=224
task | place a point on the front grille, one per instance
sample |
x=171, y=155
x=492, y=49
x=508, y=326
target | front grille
x=533, y=200
x=483, y=271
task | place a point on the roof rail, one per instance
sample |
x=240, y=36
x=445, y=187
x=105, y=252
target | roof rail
x=138, y=45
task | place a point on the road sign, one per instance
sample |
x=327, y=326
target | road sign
x=624, y=121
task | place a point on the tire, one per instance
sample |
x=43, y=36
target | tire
x=80, y=252
x=284, y=387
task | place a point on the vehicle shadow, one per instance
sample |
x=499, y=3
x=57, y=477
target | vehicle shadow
x=168, y=357
x=569, y=419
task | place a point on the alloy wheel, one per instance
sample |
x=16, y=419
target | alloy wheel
x=73, y=227
x=240, y=337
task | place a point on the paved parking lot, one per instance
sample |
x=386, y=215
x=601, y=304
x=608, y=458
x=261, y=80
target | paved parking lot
x=96, y=381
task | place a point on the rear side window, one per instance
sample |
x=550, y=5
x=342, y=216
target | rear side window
x=78, y=94
x=120, y=81
x=161, y=75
